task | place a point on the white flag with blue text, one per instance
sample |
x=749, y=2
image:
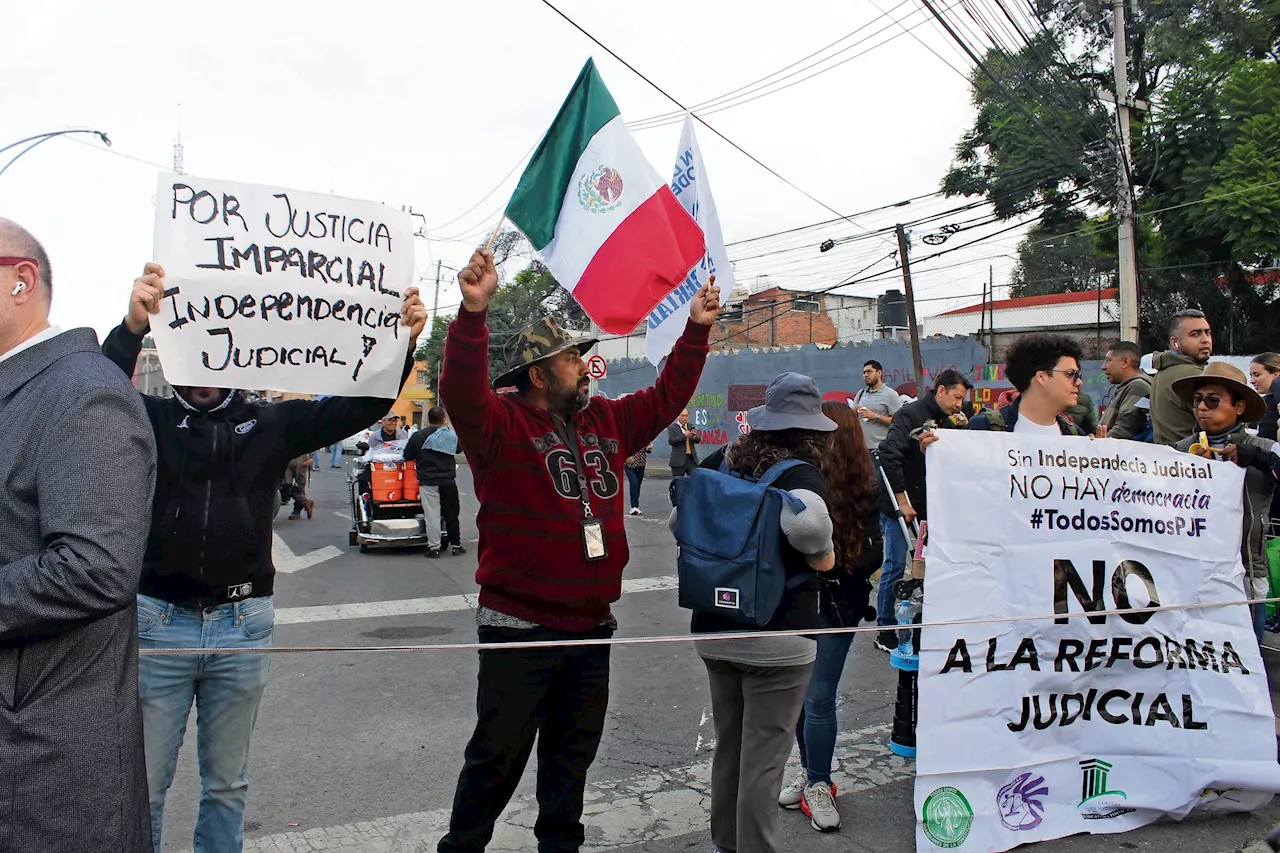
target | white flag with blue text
x=689, y=183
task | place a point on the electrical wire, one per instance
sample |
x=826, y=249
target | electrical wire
x=697, y=118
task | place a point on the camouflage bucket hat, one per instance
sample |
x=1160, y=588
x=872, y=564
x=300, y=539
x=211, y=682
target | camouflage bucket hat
x=534, y=343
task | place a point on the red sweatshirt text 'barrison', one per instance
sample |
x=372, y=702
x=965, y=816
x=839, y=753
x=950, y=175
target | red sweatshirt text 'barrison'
x=531, y=561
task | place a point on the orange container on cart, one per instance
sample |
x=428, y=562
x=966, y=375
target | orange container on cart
x=387, y=481
x=409, y=490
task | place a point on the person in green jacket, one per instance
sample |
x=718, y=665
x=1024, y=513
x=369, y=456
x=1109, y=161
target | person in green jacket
x=1124, y=418
x=1190, y=345
x=1083, y=414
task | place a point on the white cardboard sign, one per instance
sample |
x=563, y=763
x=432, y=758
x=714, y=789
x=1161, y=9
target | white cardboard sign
x=1075, y=722
x=280, y=289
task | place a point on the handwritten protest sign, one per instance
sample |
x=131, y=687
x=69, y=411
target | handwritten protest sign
x=279, y=289
x=1084, y=721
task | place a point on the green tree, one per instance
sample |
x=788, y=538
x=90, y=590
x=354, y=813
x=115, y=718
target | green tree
x=1205, y=166
x=1067, y=256
x=530, y=294
x=430, y=351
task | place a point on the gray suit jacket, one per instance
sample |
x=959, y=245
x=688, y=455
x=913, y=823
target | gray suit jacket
x=679, y=457
x=79, y=467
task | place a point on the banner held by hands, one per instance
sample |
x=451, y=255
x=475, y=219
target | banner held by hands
x=279, y=289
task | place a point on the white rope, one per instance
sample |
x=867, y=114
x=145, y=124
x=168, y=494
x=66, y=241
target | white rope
x=690, y=638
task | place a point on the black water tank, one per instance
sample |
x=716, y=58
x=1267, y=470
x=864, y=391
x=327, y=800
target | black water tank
x=891, y=309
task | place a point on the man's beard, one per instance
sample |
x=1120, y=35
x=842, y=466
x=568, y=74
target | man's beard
x=569, y=399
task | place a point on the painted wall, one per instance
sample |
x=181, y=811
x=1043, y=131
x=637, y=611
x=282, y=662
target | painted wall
x=733, y=383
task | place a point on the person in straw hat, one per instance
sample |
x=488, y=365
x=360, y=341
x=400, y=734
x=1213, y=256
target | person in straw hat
x=1223, y=403
x=547, y=462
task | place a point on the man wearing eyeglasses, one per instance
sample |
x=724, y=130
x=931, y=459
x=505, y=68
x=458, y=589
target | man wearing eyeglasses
x=70, y=723
x=1045, y=369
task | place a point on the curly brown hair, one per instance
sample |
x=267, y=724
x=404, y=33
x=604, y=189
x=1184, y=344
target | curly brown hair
x=753, y=453
x=850, y=482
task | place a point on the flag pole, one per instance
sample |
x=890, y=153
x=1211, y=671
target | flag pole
x=494, y=235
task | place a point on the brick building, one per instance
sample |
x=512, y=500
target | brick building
x=774, y=317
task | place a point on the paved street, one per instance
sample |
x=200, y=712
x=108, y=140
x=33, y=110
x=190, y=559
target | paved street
x=360, y=751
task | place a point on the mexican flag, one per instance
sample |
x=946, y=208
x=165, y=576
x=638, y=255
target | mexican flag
x=609, y=229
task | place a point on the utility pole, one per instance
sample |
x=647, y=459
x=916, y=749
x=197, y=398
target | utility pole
x=916, y=361
x=435, y=304
x=1128, y=260
x=991, y=295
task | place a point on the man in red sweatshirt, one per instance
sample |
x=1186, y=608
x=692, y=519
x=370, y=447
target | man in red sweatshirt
x=547, y=463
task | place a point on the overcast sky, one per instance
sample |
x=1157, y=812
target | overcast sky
x=430, y=104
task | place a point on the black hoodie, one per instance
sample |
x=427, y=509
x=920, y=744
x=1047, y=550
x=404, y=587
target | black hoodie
x=217, y=482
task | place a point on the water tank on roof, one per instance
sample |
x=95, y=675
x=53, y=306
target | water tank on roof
x=891, y=309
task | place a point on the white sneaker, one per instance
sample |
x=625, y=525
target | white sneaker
x=819, y=803
x=793, y=794
x=636, y=511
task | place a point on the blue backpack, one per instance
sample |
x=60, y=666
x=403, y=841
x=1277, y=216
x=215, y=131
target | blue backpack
x=729, y=537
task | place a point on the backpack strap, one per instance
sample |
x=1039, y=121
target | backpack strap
x=777, y=469
x=1069, y=427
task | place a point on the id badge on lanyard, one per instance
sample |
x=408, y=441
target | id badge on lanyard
x=592, y=530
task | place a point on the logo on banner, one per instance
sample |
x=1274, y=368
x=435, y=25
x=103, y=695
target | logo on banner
x=1020, y=802
x=1096, y=802
x=600, y=191
x=948, y=817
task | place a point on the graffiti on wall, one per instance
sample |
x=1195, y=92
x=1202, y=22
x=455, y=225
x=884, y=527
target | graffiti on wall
x=733, y=384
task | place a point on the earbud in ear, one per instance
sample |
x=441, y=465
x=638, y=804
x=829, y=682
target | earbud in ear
x=21, y=286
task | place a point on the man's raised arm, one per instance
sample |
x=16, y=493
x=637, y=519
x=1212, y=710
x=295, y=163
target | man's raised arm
x=644, y=415
x=473, y=407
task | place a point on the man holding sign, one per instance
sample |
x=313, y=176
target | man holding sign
x=547, y=463
x=207, y=576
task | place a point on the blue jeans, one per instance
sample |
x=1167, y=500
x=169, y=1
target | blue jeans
x=816, y=730
x=895, y=561
x=335, y=455
x=227, y=690
x=635, y=476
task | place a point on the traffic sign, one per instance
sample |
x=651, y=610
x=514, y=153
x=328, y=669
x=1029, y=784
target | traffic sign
x=596, y=367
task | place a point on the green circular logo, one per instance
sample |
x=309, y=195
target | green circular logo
x=948, y=817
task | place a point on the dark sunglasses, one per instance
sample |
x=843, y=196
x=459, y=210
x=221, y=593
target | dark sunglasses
x=1073, y=375
x=1209, y=401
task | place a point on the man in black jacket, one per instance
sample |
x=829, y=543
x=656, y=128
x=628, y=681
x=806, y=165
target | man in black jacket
x=902, y=460
x=900, y=452
x=434, y=452
x=207, y=575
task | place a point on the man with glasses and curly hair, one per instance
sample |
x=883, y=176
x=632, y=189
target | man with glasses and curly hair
x=1045, y=369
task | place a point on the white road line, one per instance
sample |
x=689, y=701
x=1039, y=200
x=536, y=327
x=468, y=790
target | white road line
x=661, y=804
x=417, y=606
x=286, y=561
x=342, y=515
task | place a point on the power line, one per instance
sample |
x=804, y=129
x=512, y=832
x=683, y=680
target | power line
x=764, y=91
x=725, y=96
x=699, y=119
x=518, y=164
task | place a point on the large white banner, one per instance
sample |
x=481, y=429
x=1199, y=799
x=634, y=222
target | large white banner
x=689, y=183
x=279, y=289
x=1040, y=729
